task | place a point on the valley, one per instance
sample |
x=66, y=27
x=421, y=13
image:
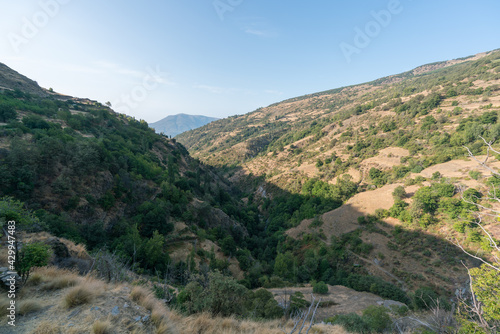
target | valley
x=360, y=196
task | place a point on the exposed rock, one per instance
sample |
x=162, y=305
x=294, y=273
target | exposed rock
x=115, y=310
x=6, y=277
x=390, y=303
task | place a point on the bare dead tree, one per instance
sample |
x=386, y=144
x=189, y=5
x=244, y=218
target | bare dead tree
x=301, y=317
x=485, y=211
x=164, y=285
x=470, y=305
x=110, y=266
x=439, y=320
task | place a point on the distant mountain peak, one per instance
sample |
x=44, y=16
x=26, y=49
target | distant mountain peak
x=173, y=125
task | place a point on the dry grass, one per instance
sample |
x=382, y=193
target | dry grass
x=61, y=282
x=204, y=323
x=76, y=250
x=29, y=306
x=52, y=278
x=83, y=293
x=166, y=328
x=35, y=279
x=139, y=293
x=160, y=315
x=47, y=327
x=4, y=303
x=102, y=327
x=4, y=257
x=145, y=298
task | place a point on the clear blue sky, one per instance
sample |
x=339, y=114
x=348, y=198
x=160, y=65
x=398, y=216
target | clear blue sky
x=260, y=53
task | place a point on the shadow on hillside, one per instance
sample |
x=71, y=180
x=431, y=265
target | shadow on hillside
x=386, y=248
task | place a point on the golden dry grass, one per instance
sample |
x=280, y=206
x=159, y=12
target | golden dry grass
x=145, y=298
x=61, y=282
x=166, y=328
x=102, y=327
x=138, y=293
x=76, y=250
x=4, y=303
x=35, y=279
x=29, y=306
x=4, y=257
x=204, y=323
x=52, y=278
x=83, y=293
x=160, y=315
x=47, y=327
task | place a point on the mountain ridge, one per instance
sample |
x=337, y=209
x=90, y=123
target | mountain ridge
x=13, y=80
x=173, y=125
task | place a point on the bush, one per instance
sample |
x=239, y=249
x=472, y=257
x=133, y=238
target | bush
x=399, y=193
x=425, y=298
x=262, y=305
x=320, y=288
x=30, y=256
x=377, y=318
x=352, y=323
x=7, y=113
x=223, y=297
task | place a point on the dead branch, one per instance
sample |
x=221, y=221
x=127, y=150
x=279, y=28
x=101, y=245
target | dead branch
x=302, y=316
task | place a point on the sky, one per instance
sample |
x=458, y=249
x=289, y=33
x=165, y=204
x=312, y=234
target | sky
x=155, y=58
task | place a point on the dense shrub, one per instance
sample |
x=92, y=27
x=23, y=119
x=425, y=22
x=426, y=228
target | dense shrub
x=320, y=288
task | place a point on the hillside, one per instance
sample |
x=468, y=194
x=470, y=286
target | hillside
x=107, y=180
x=407, y=130
x=354, y=193
x=12, y=80
x=175, y=124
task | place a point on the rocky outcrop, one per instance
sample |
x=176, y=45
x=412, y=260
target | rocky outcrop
x=7, y=277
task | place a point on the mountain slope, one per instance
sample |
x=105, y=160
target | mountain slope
x=107, y=180
x=355, y=187
x=387, y=133
x=12, y=80
x=288, y=138
x=175, y=124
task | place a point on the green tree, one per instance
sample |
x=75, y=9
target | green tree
x=225, y=296
x=7, y=112
x=377, y=318
x=486, y=284
x=284, y=266
x=399, y=193
x=31, y=256
x=320, y=288
x=153, y=252
x=483, y=313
